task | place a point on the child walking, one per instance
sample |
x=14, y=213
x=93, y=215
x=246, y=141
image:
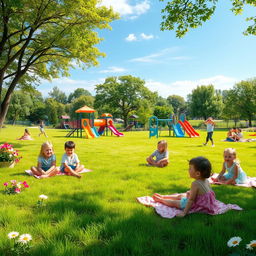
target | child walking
x=70, y=163
x=46, y=163
x=161, y=155
x=41, y=128
x=209, y=127
x=200, y=198
x=235, y=174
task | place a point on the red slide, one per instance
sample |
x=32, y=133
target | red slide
x=188, y=129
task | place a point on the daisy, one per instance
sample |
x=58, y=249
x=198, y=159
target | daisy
x=251, y=245
x=234, y=241
x=43, y=197
x=13, y=234
x=25, y=238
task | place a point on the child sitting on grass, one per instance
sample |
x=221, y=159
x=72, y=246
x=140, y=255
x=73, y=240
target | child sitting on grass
x=161, y=155
x=25, y=136
x=235, y=174
x=200, y=198
x=70, y=163
x=46, y=163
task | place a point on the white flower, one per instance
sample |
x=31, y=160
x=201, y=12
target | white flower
x=25, y=238
x=251, y=245
x=13, y=234
x=43, y=197
x=234, y=241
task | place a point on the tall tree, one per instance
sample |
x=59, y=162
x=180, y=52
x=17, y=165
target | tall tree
x=205, y=102
x=77, y=93
x=41, y=39
x=182, y=15
x=177, y=102
x=80, y=102
x=58, y=95
x=122, y=95
x=20, y=106
x=244, y=98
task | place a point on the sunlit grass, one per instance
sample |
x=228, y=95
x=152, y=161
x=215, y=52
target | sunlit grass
x=99, y=215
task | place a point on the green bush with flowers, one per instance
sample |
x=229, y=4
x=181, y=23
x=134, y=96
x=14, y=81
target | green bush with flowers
x=9, y=154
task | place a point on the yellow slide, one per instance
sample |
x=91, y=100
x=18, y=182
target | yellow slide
x=87, y=129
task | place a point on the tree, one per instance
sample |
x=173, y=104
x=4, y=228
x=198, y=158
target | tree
x=41, y=40
x=77, y=93
x=58, y=95
x=20, y=106
x=163, y=112
x=243, y=96
x=181, y=15
x=122, y=95
x=51, y=110
x=205, y=102
x=177, y=102
x=80, y=102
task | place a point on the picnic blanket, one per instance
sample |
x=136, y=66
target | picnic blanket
x=251, y=181
x=29, y=172
x=170, y=212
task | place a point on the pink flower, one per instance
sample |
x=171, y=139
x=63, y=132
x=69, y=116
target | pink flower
x=6, y=184
x=25, y=184
x=14, y=182
x=17, y=190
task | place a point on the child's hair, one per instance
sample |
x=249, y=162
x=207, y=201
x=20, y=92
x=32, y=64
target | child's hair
x=164, y=143
x=44, y=145
x=69, y=144
x=202, y=165
x=232, y=151
x=239, y=129
x=26, y=131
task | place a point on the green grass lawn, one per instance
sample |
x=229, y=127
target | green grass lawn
x=99, y=215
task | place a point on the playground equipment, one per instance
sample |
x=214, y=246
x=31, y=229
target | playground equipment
x=89, y=124
x=179, y=128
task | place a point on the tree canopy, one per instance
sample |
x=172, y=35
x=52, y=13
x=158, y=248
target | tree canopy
x=182, y=15
x=42, y=39
x=123, y=95
x=205, y=102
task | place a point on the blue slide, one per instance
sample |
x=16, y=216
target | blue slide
x=95, y=132
x=177, y=130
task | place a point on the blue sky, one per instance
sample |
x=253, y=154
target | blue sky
x=217, y=53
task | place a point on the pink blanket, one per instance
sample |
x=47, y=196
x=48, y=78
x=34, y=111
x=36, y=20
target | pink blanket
x=171, y=212
x=29, y=172
x=251, y=181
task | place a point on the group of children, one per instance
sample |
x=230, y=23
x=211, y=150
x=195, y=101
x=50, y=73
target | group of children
x=46, y=163
x=200, y=196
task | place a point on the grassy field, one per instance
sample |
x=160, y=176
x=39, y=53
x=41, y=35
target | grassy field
x=98, y=214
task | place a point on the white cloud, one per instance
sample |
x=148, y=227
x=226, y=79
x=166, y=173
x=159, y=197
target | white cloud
x=185, y=87
x=125, y=8
x=113, y=70
x=69, y=85
x=155, y=57
x=146, y=37
x=131, y=37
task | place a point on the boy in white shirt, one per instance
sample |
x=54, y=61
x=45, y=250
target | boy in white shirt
x=70, y=163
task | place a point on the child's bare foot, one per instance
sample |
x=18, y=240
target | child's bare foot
x=44, y=176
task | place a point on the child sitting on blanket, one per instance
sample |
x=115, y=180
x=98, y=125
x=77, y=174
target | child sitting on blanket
x=235, y=174
x=161, y=155
x=25, y=136
x=200, y=197
x=46, y=163
x=70, y=163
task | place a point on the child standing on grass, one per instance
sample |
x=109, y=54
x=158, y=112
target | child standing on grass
x=200, y=198
x=235, y=174
x=70, y=163
x=209, y=127
x=161, y=155
x=41, y=128
x=46, y=163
